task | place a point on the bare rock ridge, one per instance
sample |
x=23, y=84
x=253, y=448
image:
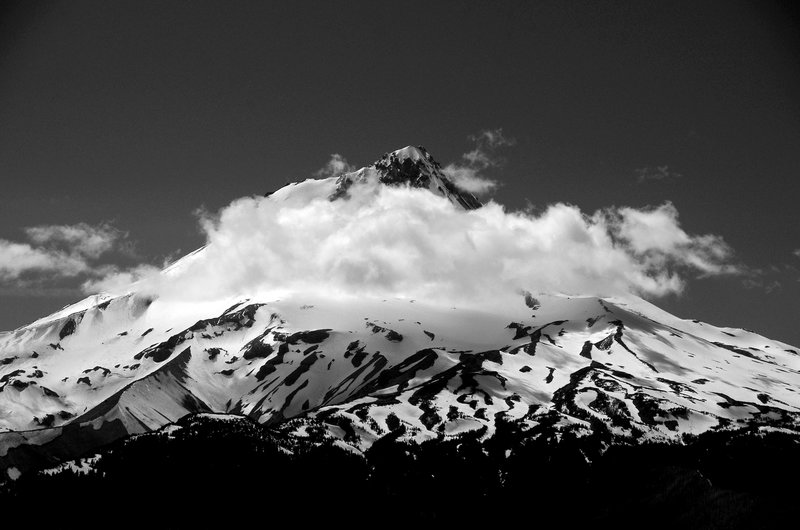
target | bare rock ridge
x=411, y=166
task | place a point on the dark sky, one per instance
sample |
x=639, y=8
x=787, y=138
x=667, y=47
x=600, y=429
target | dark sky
x=140, y=112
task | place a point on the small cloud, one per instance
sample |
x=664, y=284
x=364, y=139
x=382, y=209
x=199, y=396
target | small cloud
x=18, y=259
x=761, y=283
x=646, y=174
x=468, y=174
x=469, y=179
x=80, y=239
x=772, y=286
x=55, y=252
x=492, y=139
x=796, y=252
x=334, y=167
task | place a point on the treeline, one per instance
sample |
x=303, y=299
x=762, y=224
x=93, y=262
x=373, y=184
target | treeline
x=236, y=472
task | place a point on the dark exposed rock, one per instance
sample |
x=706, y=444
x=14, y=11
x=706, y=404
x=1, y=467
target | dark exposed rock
x=257, y=349
x=213, y=353
x=605, y=344
x=393, y=336
x=358, y=357
x=736, y=350
x=45, y=421
x=68, y=329
x=305, y=365
x=271, y=365
x=531, y=302
x=390, y=334
x=309, y=337
x=520, y=330
x=49, y=393
x=103, y=369
x=21, y=385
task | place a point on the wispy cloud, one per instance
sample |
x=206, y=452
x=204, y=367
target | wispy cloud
x=649, y=174
x=116, y=279
x=335, y=166
x=80, y=239
x=773, y=277
x=468, y=174
x=57, y=252
x=767, y=279
x=768, y=286
x=17, y=259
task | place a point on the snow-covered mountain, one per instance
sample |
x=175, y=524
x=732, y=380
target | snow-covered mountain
x=352, y=370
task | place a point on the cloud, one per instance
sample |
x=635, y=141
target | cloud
x=654, y=236
x=394, y=241
x=114, y=279
x=491, y=139
x=758, y=283
x=334, y=167
x=468, y=173
x=57, y=251
x=469, y=179
x=80, y=239
x=17, y=259
x=646, y=174
x=796, y=253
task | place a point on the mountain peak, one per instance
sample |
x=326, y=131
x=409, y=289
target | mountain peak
x=414, y=167
x=411, y=152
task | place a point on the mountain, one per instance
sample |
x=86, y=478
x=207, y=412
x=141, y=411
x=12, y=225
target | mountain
x=352, y=372
x=412, y=166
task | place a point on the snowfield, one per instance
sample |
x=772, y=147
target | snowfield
x=355, y=368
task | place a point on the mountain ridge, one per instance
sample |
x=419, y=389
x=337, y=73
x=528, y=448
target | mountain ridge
x=412, y=166
x=353, y=370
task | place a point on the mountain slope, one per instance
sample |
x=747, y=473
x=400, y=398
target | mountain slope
x=352, y=370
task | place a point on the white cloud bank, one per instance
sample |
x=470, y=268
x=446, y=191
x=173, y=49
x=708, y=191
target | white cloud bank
x=388, y=241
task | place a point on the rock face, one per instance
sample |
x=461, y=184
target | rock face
x=352, y=372
x=412, y=166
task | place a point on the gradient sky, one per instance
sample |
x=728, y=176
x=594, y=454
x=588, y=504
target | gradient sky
x=139, y=113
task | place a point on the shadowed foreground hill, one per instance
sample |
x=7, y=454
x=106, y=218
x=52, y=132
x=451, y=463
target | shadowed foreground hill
x=224, y=469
